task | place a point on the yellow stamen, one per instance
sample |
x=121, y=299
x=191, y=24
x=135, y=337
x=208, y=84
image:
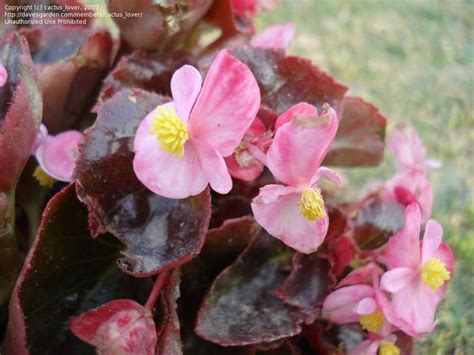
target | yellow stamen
x=312, y=204
x=372, y=322
x=171, y=132
x=43, y=178
x=434, y=273
x=389, y=349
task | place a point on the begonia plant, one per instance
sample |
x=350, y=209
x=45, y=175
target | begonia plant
x=161, y=193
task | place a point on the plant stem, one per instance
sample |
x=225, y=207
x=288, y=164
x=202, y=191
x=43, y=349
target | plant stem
x=155, y=292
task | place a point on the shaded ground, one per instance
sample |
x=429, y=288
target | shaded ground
x=415, y=61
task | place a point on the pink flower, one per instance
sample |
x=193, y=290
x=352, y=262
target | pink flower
x=360, y=300
x=376, y=344
x=3, y=75
x=244, y=163
x=295, y=212
x=57, y=155
x=416, y=278
x=180, y=146
x=410, y=183
x=276, y=37
x=252, y=7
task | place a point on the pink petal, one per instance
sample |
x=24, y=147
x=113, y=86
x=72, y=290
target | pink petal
x=328, y=174
x=227, y=105
x=3, y=75
x=277, y=37
x=360, y=275
x=57, y=155
x=185, y=87
x=339, y=305
x=431, y=240
x=407, y=148
x=301, y=109
x=247, y=172
x=366, y=305
x=40, y=138
x=214, y=167
x=276, y=210
x=396, y=279
x=300, y=146
x=425, y=198
x=403, y=249
x=445, y=254
x=416, y=306
x=366, y=347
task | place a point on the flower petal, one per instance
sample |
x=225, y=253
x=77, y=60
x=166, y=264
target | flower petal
x=366, y=347
x=3, y=75
x=40, y=138
x=276, y=210
x=446, y=255
x=328, y=174
x=431, y=240
x=247, y=172
x=213, y=165
x=366, y=305
x=57, y=155
x=299, y=147
x=276, y=37
x=403, y=249
x=227, y=105
x=339, y=305
x=425, y=197
x=185, y=87
x=396, y=279
x=361, y=275
x=407, y=148
x=302, y=109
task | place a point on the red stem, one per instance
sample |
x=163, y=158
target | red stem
x=155, y=292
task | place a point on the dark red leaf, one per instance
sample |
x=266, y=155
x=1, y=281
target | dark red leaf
x=285, y=80
x=231, y=23
x=160, y=233
x=377, y=221
x=161, y=25
x=360, y=137
x=71, y=62
x=308, y=284
x=20, y=117
x=241, y=307
x=142, y=70
x=66, y=272
x=169, y=339
x=341, y=252
x=118, y=327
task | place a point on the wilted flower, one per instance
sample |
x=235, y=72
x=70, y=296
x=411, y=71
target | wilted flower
x=295, y=213
x=416, y=278
x=180, y=146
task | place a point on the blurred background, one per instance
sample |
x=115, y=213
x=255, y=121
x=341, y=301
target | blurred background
x=414, y=60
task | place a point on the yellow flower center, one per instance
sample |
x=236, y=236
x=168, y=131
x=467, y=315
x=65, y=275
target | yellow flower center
x=312, y=204
x=388, y=349
x=434, y=273
x=43, y=178
x=372, y=322
x=171, y=132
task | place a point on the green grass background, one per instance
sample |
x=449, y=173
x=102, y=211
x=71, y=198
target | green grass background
x=414, y=60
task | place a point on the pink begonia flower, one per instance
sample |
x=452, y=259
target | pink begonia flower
x=56, y=155
x=410, y=183
x=295, y=212
x=376, y=344
x=416, y=278
x=180, y=146
x=3, y=75
x=243, y=164
x=275, y=37
x=359, y=299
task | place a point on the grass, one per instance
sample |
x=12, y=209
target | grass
x=414, y=60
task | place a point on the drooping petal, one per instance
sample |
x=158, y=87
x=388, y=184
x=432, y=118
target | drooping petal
x=407, y=148
x=213, y=165
x=185, y=87
x=227, y=105
x=416, y=306
x=339, y=305
x=431, y=240
x=299, y=147
x=363, y=274
x=301, y=109
x=276, y=37
x=57, y=155
x=366, y=305
x=403, y=249
x=396, y=279
x=277, y=210
x=328, y=174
